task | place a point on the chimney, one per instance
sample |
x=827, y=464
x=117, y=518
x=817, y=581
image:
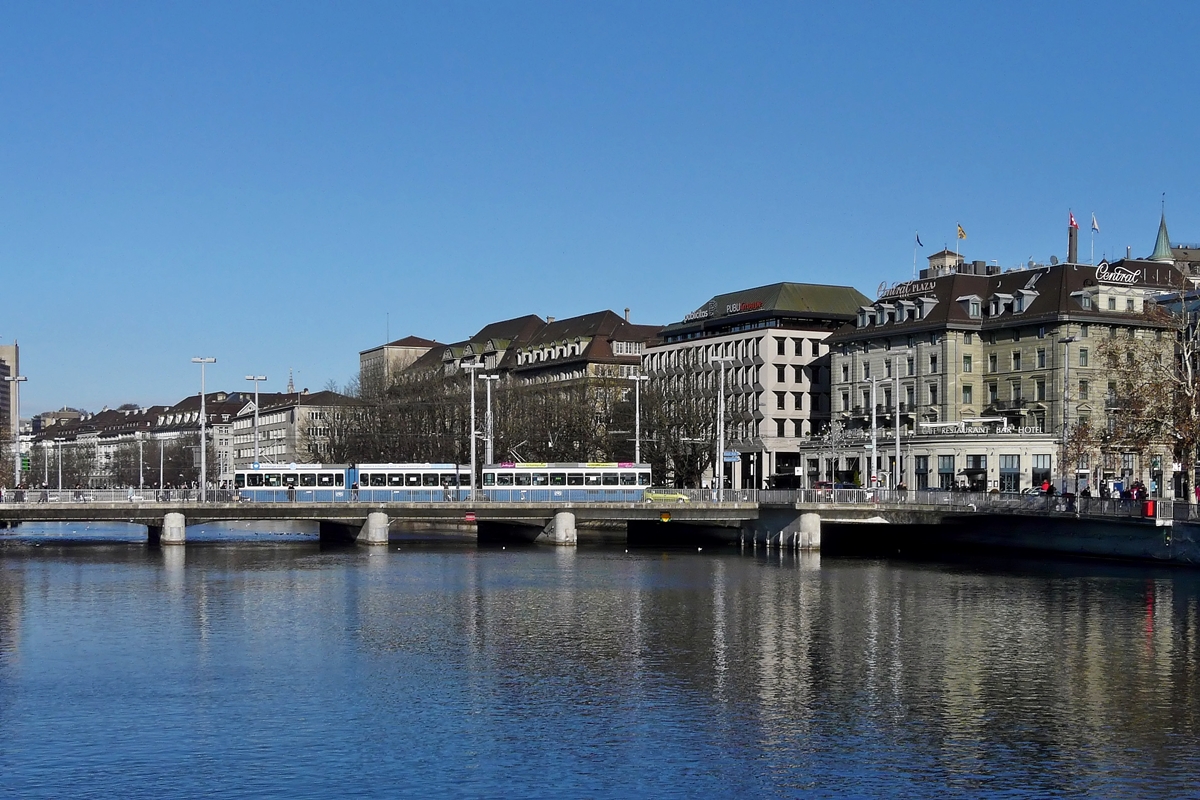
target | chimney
x=549, y=320
x=1128, y=251
x=1072, y=244
x=627, y=314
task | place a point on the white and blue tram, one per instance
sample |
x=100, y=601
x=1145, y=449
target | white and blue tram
x=572, y=483
x=329, y=483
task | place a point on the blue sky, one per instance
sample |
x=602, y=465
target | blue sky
x=268, y=183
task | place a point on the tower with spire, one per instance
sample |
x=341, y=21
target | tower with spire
x=291, y=387
x=1162, y=245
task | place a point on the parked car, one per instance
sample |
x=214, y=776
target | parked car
x=665, y=496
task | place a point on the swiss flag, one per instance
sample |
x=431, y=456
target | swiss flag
x=1073, y=224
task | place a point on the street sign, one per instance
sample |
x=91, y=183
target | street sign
x=732, y=455
x=799, y=471
x=254, y=465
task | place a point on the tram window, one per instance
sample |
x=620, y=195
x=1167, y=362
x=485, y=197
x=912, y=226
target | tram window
x=308, y=479
x=643, y=479
x=464, y=479
x=271, y=479
x=239, y=481
x=522, y=478
x=558, y=479
x=489, y=479
x=412, y=479
x=289, y=478
x=429, y=479
x=541, y=479
x=592, y=479
x=447, y=479
x=504, y=479
x=379, y=479
x=610, y=479
x=395, y=479
x=339, y=479
x=574, y=479
x=326, y=479
x=628, y=479
x=254, y=479
x=364, y=479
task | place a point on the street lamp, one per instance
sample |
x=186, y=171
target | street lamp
x=1066, y=343
x=203, y=422
x=16, y=380
x=256, y=379
x=720, y=466
x=473, y=368
x=637, y=415
x=489, y=421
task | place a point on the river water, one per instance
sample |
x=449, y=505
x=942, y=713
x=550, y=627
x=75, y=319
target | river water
x=271, y=668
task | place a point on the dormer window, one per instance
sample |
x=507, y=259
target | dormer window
x=1086, y=302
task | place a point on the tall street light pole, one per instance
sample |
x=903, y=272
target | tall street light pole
x=256, y=379
x=720, y=466
x=473, y=368
x=1066, y=411
x=203, y=424
x=489, y=422
x=16, y=381
x=637, y=416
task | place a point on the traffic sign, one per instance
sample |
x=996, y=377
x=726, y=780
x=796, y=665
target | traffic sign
x=732, y=455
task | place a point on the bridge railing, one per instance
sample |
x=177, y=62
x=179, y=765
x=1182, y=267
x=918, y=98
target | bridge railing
x=30, y=496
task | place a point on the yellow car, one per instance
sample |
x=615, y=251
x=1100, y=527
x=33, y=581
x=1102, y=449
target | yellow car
x=665, y=496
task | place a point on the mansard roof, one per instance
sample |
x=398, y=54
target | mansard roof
x=797, y=301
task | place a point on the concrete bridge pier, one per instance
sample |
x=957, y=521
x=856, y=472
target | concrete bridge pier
x=374, y=530
x=561, y=529
x=172, y=530
x=810, y=532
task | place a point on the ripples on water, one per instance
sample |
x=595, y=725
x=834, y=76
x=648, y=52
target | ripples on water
x=284, y=670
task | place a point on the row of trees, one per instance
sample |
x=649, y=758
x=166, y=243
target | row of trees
x=130, y=464
x=427, y=418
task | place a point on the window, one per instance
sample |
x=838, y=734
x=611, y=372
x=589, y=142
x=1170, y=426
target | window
x=1083, y=357
x=1010, y=473
x=946, y=472
x=966, y=394
x=1039, y=389
x=1084, y=330
x=1041, y=358
x=845, y=373
x=933, y=394
x=866, y=370
x=1112, y=304
x=1083, y=390
x=1129, y=304
x=992, y=362
x=974, y=309
x=798, y=373
x=909, y=391
x=1041, y=469
x=1112, y=333
x=921, y=468
x=887, y=368
x=1015, y=387
x=798, y=346
x=912, y=365
x=966, y=367
x=780, y=400
x=1042, y=332
x=780, y=374
x=1016, y=360
x=781, y=347
x=968, y=337
x=845, y=401
x=993, y=393
x=1086, y=302
x=781, y=428
x=933, y=363
x=798, y=401
x=1019, y=303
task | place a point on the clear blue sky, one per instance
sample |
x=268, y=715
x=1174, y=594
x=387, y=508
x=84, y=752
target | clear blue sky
x=266, y=183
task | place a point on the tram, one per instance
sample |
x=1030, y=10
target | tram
x=565, y=482
x=331, y=483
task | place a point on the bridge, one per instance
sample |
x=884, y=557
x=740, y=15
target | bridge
x=785, y=519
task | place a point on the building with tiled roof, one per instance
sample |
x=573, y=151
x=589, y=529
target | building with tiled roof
x=380, y=365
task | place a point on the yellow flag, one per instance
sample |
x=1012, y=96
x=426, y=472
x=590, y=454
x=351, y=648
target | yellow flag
x=961, y=233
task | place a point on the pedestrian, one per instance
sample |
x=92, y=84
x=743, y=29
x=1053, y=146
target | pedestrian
x=354, y=491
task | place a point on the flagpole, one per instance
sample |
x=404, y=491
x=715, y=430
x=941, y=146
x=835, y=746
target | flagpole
x=916, y=236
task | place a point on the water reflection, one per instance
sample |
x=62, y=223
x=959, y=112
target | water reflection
x=759, y=674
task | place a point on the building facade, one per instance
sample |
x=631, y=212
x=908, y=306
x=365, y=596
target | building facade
x=983, y=376
x=770, y=344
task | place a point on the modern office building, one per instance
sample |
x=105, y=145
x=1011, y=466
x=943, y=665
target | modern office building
x=771, y=341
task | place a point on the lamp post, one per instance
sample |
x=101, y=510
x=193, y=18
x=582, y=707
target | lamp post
x=473, y=368
x=637, y=416
x=59, y=443
x=873, y=462
x=16, y=381
x=1066, y=343
x=720, y=466
x=256, y=379
x=489, y=421
x=141, y=473
x=201, y=360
